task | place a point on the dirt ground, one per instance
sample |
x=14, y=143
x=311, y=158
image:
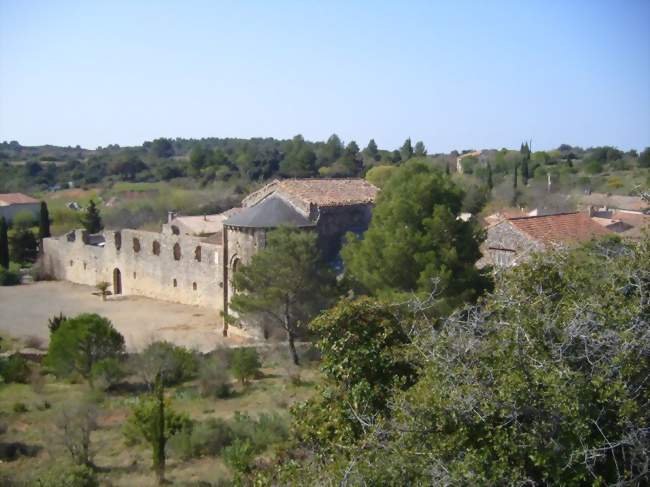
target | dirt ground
x=25, y=309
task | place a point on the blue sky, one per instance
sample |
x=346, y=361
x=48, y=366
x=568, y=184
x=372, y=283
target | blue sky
x=455, y=74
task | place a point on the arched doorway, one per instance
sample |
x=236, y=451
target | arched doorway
x=117, y=281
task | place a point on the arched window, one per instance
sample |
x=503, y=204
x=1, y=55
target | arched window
x=175, y=230
x=118, y=240
x=175, y=283
x=155, y=248
x=197, y=253
x=194, y=286
x=177, y=251
x=136, y=245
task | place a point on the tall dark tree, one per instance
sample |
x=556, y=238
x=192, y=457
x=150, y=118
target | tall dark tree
x=162, y=148
x=514, y=178
x=371, y=150
x=44, y=222
x=420, y=149
x=24, y=246
x=490, y=183
x=525, y=160
x=406, y=151
x=4, y=244
x=91, y=219
x=435, y=252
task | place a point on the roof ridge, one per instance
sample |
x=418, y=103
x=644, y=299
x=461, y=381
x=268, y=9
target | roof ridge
x=530, y=217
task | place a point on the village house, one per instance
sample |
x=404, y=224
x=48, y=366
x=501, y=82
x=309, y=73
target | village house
x=13, y=203
x=512, y=239
x=193, y=258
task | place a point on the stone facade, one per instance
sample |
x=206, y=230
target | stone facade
x=169, y=267
x=175, y=265
x=506, y=246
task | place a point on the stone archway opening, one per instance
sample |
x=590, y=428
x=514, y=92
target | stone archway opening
x=117, y=281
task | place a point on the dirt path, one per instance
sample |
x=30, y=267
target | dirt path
x=24, y=311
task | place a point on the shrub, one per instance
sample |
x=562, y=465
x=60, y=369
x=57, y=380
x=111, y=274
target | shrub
x=268, y=429
x=107, y=372
x=177, y=364
x=19, y=407
x=15, y=369
x=214, y=378
x=9, y=278
x=203, y=438
x=34, y=341
x=239, y=456
x=68, y=476
x=245, y=364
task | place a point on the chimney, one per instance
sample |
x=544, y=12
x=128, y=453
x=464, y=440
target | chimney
x=170, y=216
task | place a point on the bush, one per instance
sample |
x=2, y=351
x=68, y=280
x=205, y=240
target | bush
x=19, y=407
x=214, y=378
x=178, y=364
x=15, y=369
x=245, y=364
x=239, y=456
x=68, y=476
x=203, y=438
x=267, y=430
x=9, y=278
x=55, y=322
x=107, y=372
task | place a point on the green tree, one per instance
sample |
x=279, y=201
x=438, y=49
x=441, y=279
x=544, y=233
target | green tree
x=81, y=342
x=644, y=158
x=330, y=151
x=245, y=364
x=44, y=222
x=406, y=151
x=525, y=159
x=162, y=148
x=490, y=183
x=433, y=250
x=363, y=348
x=371, y=150
x=420, y=149
x=91, y=219
x=299, y=159
x=154, y=420
x=286, y=283
x=23, y=245
x=379, y=175
x=4, y=244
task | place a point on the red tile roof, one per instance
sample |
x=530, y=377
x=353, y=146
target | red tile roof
x=560, y=228
x=15, y=198
x=321, y=192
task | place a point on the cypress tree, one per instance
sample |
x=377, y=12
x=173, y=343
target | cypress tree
x=44, y=223
x=4, y=244
x=92, y=220
x=514, y=180
x=489, y=176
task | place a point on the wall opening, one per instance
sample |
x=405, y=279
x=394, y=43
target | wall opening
x=84, y=266
x=71, y=263
x=177, y=252
x=175, y=230
x=155, y=247
x=134, y=275
x=175, y=283
x=118, y=240
x=136, y=245
x=194, y=286
x=117, y=281
x=197, y=253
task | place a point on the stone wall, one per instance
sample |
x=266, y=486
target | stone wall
x=175, y=268
x=505, y=246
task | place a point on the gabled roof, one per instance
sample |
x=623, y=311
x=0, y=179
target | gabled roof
x=7, y=199
x=269, y=213
x=321, y=192
x=559, y=228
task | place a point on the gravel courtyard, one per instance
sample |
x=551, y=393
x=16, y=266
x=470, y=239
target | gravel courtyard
x=24, y=311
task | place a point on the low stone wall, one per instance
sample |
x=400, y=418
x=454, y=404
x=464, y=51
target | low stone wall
x=175, y=268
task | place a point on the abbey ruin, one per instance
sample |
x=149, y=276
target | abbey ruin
x=193, y=258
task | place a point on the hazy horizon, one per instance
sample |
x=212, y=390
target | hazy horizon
x=454, y=75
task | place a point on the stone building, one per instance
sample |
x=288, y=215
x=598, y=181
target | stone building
x=192, y=259
x=511, y=240
x=13, y=203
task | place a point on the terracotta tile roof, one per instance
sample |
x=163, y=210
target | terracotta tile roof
x=15, y=198
x=559, y=228
x=319, y=191
x=204, y=224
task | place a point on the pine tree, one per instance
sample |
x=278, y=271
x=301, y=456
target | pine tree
x=44, y=223
x=4, y=244
x=92, y=220
x=371, y=150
